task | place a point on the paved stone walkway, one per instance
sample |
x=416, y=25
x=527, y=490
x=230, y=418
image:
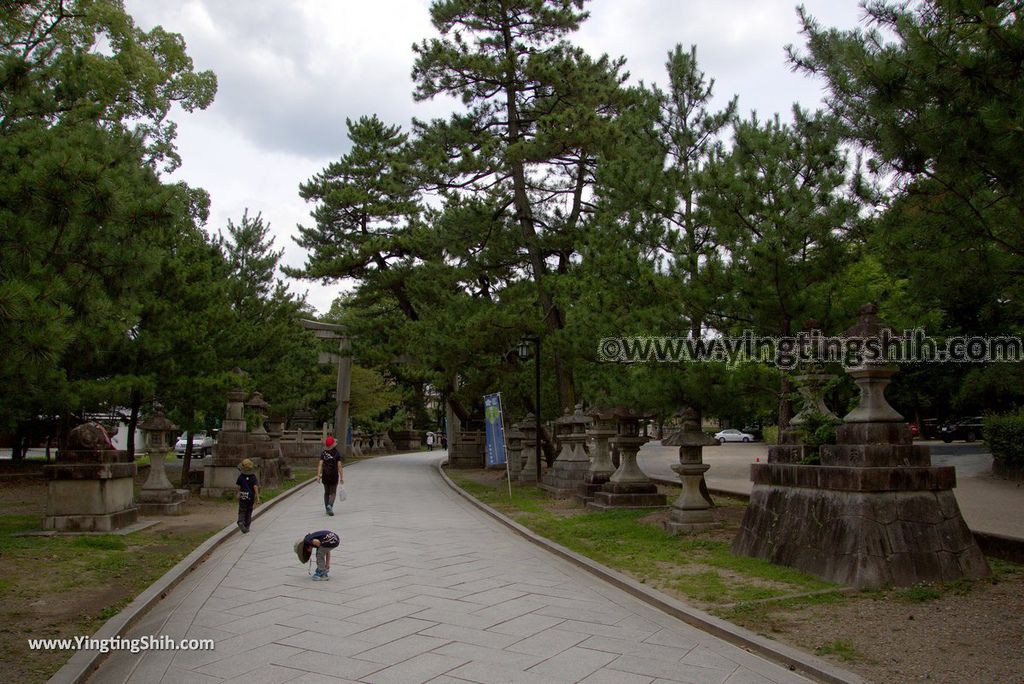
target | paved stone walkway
x=423, y=588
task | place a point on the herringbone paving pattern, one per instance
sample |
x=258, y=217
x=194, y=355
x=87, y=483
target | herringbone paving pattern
x=423, y=588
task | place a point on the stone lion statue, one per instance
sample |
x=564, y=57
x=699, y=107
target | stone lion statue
x=89, y=437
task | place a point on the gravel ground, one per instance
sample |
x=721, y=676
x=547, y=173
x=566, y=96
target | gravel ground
x=977, y=636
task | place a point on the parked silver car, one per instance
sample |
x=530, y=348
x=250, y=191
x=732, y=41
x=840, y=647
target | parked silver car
x=733, y=435
x=202, y=445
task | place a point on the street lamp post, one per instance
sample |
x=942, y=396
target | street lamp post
x=523, y=351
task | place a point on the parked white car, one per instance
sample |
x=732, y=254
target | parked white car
x=733, y=435
x=202, y=445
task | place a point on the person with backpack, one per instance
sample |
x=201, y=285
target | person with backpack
x=248, y=494
x=330, y=473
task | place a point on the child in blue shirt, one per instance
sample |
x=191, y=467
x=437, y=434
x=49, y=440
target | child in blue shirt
x=323, y=541
x=248, y=494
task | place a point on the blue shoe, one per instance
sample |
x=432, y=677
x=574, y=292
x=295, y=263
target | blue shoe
x=317, y=577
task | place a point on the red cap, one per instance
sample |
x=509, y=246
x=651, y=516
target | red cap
x=329, y=442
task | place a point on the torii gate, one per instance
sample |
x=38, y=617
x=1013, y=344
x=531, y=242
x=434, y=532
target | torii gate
x=331, y=331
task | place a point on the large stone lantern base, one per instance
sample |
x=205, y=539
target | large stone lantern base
x=861, y=527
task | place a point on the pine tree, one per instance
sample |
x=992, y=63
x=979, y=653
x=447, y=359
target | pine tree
x=537, y=113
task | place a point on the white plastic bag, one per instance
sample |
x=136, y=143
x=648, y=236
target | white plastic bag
x=341, y=493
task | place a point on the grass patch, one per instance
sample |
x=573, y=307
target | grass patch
x=840, y=649
x=107, y=542
x=919, y=593
x=1002, y=569
x=299, y=475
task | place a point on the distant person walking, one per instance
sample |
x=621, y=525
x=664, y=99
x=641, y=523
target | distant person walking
x=330, y=472
x=248, y=494
x=430, y=441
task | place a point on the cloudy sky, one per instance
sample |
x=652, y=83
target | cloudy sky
x=291, y=71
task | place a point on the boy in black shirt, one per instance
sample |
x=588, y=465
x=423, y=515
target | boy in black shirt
x=330, y=473
x=248, y=494
x=323, y=541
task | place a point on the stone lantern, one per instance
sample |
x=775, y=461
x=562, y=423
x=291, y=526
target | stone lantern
x=691, y=511
x=529, y=428
x=266, y=453
x=221, y=471
x=261, y=408
x=628, y=486
x=159, y=431
x=514, y=441
x=811, y=382
x=570, y=468
x=158, y=496
x=601, y=428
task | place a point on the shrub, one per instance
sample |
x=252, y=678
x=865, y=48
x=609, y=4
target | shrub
x=1004, y=437
x=816, y=430
x=771, y=434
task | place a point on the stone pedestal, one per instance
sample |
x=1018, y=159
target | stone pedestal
x=529, y=472
x=600, y=469
x=469, y=450
x=90, y=489
x=221, y=471
x=628, y=486
x=514, y=444
x=691, y=512
x=875, y=513
x=572, y=463
x=158, y=495
x=407, y=440
x=265, y=455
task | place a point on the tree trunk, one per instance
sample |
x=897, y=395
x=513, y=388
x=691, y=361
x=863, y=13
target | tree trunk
x=18, y=445
x=186, y=461
x=553, y=319
x=133, y=420
x=785, y=409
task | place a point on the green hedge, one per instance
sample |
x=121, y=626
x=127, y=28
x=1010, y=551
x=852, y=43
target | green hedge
x=1004, y=437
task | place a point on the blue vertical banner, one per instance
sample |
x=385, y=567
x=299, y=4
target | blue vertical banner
x=494, y=429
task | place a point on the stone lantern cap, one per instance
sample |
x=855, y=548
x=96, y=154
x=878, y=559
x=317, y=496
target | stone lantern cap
x=628, y=420
x=690, y=433
x=684, y=437
x=575, y=422
x=576, y=417
x=257, y=403
x=158, y=422
x=601, y=413
x=528, y=424
x=514, y=432
x=868, y=324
